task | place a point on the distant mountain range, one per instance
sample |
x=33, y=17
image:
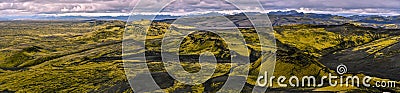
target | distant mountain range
x=294, y=17
x=277, y=18
x=123, y=18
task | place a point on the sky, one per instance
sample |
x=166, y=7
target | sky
x=116, y=7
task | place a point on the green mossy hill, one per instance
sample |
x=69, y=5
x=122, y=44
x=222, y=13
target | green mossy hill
x=55, y=57
x=72, y=60
x=319, y=40
x=199, y=41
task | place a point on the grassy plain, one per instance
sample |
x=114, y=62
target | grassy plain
x=86, y=56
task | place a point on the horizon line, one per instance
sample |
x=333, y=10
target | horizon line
x=228, y=12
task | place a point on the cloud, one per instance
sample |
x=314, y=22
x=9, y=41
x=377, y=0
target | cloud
x=63, y=6
x=198, y=5
x=29, y=7
x=345, y=4
x=382, y=7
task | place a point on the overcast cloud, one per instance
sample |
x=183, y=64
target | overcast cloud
x=31, y=7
